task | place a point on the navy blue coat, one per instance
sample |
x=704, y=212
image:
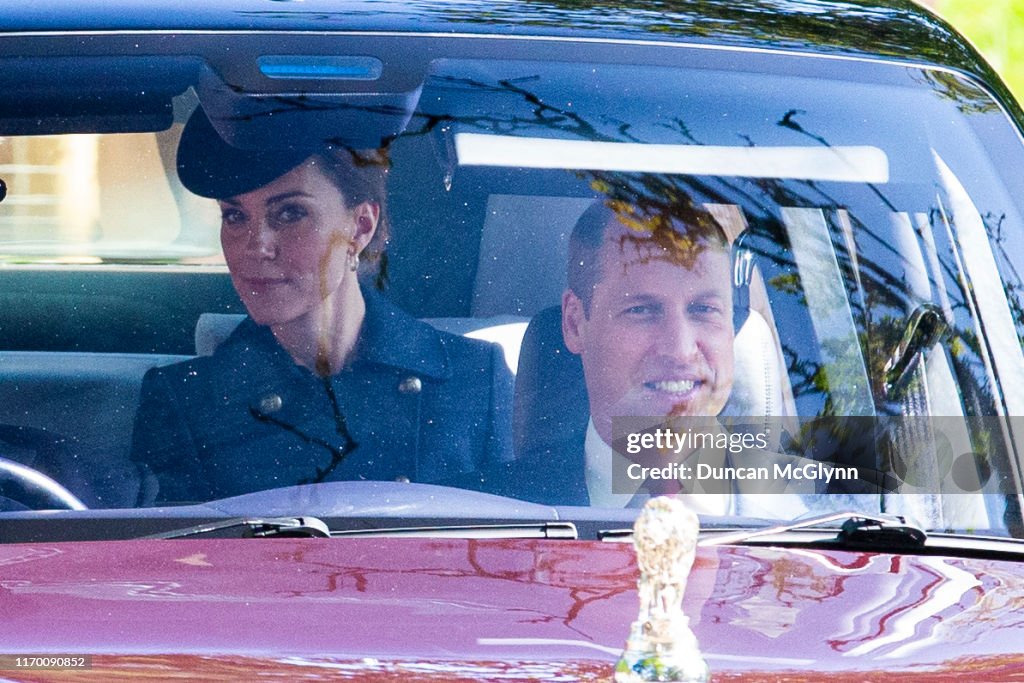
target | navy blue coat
x=420, y=403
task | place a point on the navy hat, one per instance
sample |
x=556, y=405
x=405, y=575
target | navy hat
x=210, y=167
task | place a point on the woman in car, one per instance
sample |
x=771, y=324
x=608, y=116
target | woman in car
x=326, y=379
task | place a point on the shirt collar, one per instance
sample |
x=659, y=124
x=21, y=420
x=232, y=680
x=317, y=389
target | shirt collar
x=600, y=462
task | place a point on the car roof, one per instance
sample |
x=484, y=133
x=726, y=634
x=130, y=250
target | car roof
x=894, y=30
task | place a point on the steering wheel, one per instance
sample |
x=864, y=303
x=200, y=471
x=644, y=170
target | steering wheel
x=37, y=490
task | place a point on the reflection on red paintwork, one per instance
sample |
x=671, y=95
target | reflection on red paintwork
x=234, y=668
x=421, y=609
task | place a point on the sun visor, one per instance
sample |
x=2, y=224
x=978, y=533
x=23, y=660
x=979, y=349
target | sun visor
x=358, y=120
x=97, y=94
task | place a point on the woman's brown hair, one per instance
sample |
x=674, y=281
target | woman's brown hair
x=361, y=176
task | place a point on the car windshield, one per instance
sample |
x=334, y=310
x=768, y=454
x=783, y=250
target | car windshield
x=752, y=280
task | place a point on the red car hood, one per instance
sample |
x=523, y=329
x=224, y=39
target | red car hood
x=510, y=610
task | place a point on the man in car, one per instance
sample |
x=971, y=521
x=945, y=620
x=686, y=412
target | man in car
x=648, y=309
x=649, y=312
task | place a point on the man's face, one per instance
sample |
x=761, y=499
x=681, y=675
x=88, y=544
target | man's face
x=658, y=340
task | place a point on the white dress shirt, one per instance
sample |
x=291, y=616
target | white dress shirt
x=602, y=460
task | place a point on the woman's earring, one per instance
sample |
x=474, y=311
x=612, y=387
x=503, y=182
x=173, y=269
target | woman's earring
x=353, y=260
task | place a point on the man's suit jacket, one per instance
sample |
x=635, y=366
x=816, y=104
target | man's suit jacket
x=421, y=404
x=553, y=473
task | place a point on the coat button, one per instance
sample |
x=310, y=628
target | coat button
x=410, y=385
x=402, y=479
x=271, y=403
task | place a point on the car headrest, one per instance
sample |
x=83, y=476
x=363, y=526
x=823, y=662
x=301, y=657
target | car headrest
x=213, y=328
x=550, y=404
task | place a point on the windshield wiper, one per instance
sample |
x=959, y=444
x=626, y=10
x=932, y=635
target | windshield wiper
x=313, y=527
x=858, y=530
x=277, y=527
x=560, y=530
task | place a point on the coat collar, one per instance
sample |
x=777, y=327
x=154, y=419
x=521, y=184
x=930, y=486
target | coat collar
x=392, y=337
x=389, y=337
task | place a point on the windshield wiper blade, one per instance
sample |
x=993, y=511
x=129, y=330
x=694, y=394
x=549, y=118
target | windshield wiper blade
x=559, y=530
x=275, y=527
x=858, y=530
x=313, y=527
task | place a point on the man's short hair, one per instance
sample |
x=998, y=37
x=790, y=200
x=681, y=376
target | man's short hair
x=678, y=235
